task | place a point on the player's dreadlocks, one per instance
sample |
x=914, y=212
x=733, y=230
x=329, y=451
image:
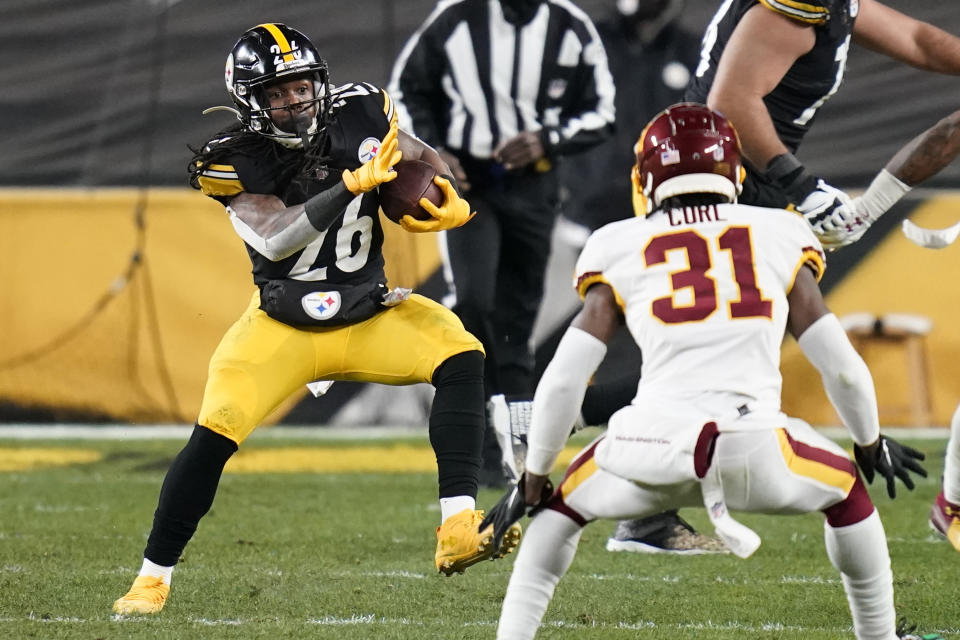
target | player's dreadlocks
x=237, y=139
x=315, y=153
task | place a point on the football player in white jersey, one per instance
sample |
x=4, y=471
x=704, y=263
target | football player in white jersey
x=707, y=288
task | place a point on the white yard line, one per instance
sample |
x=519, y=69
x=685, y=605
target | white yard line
x=770, y=628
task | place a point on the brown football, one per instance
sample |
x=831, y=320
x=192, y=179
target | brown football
x=401, y=196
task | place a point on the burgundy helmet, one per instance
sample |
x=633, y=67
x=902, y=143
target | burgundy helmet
x=686, y=148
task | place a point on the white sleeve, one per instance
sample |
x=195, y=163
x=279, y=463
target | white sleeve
x=311, y=221
x=282, y=244
x=556, y=404
x=845, y=375
x=884, y=192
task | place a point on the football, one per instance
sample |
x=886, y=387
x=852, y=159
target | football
x=401, y=196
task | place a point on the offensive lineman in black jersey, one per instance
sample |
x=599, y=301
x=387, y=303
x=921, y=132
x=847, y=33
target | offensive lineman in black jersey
x=298, y=177
x=769, y=65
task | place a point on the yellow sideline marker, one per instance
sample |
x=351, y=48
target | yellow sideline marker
x=398, y=459
x=30, y=459
x=357, y=459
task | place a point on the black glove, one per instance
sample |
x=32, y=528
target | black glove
x=511, y=507
x=890, y=459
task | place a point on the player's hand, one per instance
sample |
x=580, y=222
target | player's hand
x=891, y=460
x=828, y=210
x=515, y=503
x=456, y=169
x=379, y=168
x=454, y=212
x=832, y=215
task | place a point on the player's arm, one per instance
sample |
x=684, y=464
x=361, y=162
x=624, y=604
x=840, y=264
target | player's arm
x=556, y=404
x=848, y=384
x=443, y=161
x=415, y=149
x=917, y=43
x=928, y=153
x=761, y=50
x=845, y=375
x=415, y=81
x=921, y=158
x=277, y=231
x=587, y=115
x=763, y=47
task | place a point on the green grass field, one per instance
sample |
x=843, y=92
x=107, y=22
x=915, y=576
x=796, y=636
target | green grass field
x=350, y=555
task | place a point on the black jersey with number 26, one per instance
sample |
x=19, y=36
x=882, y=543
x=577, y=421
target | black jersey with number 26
x=349, y=252
x=812, y=79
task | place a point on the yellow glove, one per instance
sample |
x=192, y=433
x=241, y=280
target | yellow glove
x=454, y=212
x=379, y=168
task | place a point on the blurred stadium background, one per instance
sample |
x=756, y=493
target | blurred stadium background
x=119, y=279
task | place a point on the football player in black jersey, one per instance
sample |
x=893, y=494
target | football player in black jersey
x=298, y=176
x=769, y=65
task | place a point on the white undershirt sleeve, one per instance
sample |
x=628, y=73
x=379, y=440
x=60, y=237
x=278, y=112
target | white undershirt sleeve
x=282, y=244
x=845, y=375
x=556, y=404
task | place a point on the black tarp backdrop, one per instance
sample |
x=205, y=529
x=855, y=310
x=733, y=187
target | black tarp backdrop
x=92, y=87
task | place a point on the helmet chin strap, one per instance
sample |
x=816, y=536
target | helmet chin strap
x=305, y=129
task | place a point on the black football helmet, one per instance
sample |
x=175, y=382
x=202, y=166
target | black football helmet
x=265, y=54
x=686, y=148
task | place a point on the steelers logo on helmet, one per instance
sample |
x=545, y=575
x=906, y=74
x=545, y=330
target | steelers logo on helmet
x=368, y=149
x=228, y=74
x=688, y=148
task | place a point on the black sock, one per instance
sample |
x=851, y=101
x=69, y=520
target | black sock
x=187, y=494
x=457, y=422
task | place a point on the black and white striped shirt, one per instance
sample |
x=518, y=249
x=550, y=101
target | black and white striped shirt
x=468, y=79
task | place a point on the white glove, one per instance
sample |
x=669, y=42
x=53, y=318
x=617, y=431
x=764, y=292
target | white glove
x=884, y=192
x=833, y=216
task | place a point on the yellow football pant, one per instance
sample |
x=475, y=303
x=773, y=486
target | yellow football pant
x=260, y=361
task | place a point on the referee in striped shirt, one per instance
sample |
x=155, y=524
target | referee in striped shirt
x=503, y=89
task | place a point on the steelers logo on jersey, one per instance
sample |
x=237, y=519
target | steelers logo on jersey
x=367, y=149
x=321, y=305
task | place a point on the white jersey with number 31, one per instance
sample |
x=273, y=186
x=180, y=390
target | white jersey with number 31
x=703, y=290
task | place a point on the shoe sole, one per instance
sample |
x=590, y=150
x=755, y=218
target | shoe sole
x=485, y=552
x=941, y=534
x=641, y=547
x=130, y=610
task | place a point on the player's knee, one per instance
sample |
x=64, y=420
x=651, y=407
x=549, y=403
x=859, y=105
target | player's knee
x=210, y=444
x=852, y=509
x=462, y=368
x=229, y=407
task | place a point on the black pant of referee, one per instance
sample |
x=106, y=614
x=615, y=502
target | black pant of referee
x=495, y=268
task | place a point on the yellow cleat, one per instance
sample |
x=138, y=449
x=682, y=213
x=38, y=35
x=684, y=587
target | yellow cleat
x=147, y=595
x=460, y=544
x=945, y=520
